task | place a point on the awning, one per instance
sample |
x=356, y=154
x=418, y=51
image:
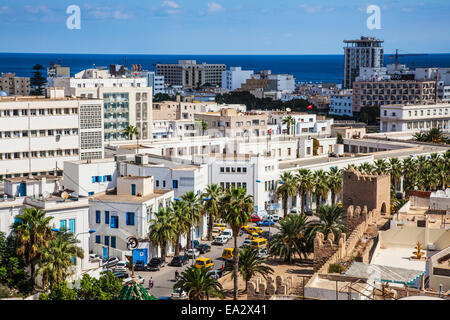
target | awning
x=383, y=273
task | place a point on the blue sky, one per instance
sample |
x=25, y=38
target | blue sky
x=220, y=26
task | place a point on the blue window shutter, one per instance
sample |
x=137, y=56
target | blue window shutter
x=106, y=240
x=97, y=216
x=72, y=225
x=62, y=224
x=98, y=239
x=127, y=218
x=93, y=179
x=106, y=217
x=113, y=242
x=175, y=184
x=90, y=193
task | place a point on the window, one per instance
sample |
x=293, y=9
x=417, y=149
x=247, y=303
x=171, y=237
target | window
x=91, y=194
x=244, y=169
x=62, y=224
x=97, y=216
x=106, y=217
x=107, y=178
x=106, y=240
x=244, y=185
x=96, y=179
x=175, y=184
x=98, y=239
x=114, y=222
x=164, y=183
x=157, y=183
x=130, y=219
x=222, y=169
x=72, y=225
x=113, y=242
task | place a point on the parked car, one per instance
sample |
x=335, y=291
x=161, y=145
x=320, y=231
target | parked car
x=203, y=248
x=178, y=294
x=139, y=278
x=140, y=265
x=216, y=231
x=274, y=217
x=309, y=212
x=191, y=253
x=266, y=235
x=246, y=243
x=178, y=261
x=156, y=264
x=121, y=266
x=195, y=244
x=265, y=223
x=120, y=275
x=216, y=274
x=255, y=218
x=294, y=211
x=204, y=262
x=220, y=240
x=111, y=262
x=262, y=253
x=227, y=233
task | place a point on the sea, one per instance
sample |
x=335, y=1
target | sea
x=305, y=68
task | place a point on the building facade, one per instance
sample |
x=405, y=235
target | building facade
x=15, y=86
x=233, y=79
x=341, y=103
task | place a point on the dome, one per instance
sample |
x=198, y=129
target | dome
x=134, y=291
x=3, y=94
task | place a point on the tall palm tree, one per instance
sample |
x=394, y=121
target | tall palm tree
x=236, y=208
x=335, y=183
x=161, y=230
x=32, y=231
x=250, y=265
x=203, y=125
x=179, y=225
x=212, y=206
x=131, y=131
x=332, y=220
x=305, y=184
x=321, y=186
x=192, y=214
x=199, y=284
x=395, y=169
x=293, y=124
x=287, y=188
x=381, y=166
x=288, y=122
x=294, y=237
x=56, y=260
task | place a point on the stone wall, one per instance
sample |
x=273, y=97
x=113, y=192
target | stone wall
x=265, y=289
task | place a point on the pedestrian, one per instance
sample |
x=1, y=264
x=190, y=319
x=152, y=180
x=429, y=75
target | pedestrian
x=176, y=275
x=150, y=283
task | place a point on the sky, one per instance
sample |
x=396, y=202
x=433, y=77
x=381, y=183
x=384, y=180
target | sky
x=221, y=26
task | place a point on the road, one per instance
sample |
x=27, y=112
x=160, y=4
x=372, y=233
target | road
x=164, y=279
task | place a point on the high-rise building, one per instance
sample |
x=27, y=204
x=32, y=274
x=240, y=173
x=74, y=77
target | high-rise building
x=189, y=74
x=37, y=134
x=13, y=85
x=365, y=52
x=233, y=79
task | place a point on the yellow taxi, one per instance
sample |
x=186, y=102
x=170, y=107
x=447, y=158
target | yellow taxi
x=258, y=243
x=257, y=230
x=221, y=226
x=204, y=262
x=245, y=228
x=227, y=253
x=253, y=236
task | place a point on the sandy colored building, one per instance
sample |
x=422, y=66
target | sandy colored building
x=13, y=85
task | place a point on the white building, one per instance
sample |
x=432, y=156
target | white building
x=341, y=103
x=305, y=123
x=282, y=82
x=37, y=134
x=414, y=118
x=233, y=79
x=155, y=81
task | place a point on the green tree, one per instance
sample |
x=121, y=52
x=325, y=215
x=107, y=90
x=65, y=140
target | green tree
x=332, y=220
x=179, y=225
x=32, y=232
x=316, y=146
x=305, y=184
x=335, y=183
x=163, y=97
x=339, y=139
x=199, y=284
x=37, y=81
x=294, y=237
x=396, y=171
x=250, y=265
x=203, y=125
x=212, y=206
x=59, y=291
x=161, y=230
x=287, y=188
x=237, y=208
x=192, y=215
x=288, y=122
x=131, y=131
x=321, y=186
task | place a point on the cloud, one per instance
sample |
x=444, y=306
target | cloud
x=103, y=13
x=118, y=15
x=170, y=4
x=168, y=8
x=406, y=9
x=5, y=9
x=37, y=9
x=310, y=9
x=214, y=7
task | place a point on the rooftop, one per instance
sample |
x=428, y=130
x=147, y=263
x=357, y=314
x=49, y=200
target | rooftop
x=113, y=197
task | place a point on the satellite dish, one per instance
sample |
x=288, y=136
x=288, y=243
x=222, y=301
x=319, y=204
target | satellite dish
x=64, y=195
x=288, y=109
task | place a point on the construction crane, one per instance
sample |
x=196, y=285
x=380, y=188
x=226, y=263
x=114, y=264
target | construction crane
x=403, y=55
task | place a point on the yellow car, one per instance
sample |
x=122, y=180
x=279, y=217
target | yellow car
x=253, y=236
x=339, y=204
x=258, y=230
x=204, y=263
x=227, y=253
x=245, y=228
x=258, y=243
x=221, y=226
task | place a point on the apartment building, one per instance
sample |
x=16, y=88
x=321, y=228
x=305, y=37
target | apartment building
x=37, y=134
x=231, y=123
x=57, y=71
x=176, y=128
x=233, y=79
x=127, y=101
x=415, y=118
x=365, y=52
x=393, y=92
x=305, y=123
x=15, y=86
x=189, y=74
x=341, y=103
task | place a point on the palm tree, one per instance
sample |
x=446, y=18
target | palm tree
x=192, y=214
x=293, y=123
x=286, y=189
x=161, y=230
x=179, y=210
x=287, y=121
x=57, y=259
x=395, y=169
x=203, y=125
x=31, y=231
x=250, y=265
x=332, y=220
x=381, y=166
x=321, y=186
x=212, y=206
x=199, y=284
x=305, y=184
x=236, y=208
x=335, y=183
x=294, y=237
x=131, y=131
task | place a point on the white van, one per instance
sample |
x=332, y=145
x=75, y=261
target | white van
x=227, y=233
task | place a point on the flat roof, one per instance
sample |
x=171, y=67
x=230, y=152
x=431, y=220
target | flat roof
x=399, y=257
x=129, y=198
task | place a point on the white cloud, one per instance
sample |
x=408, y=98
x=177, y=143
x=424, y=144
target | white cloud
x=168, y=8
x=310, y=9
x=406, y=9
x=214, y=7
x=37, y=9
x=170, y=4
x=118, y=15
